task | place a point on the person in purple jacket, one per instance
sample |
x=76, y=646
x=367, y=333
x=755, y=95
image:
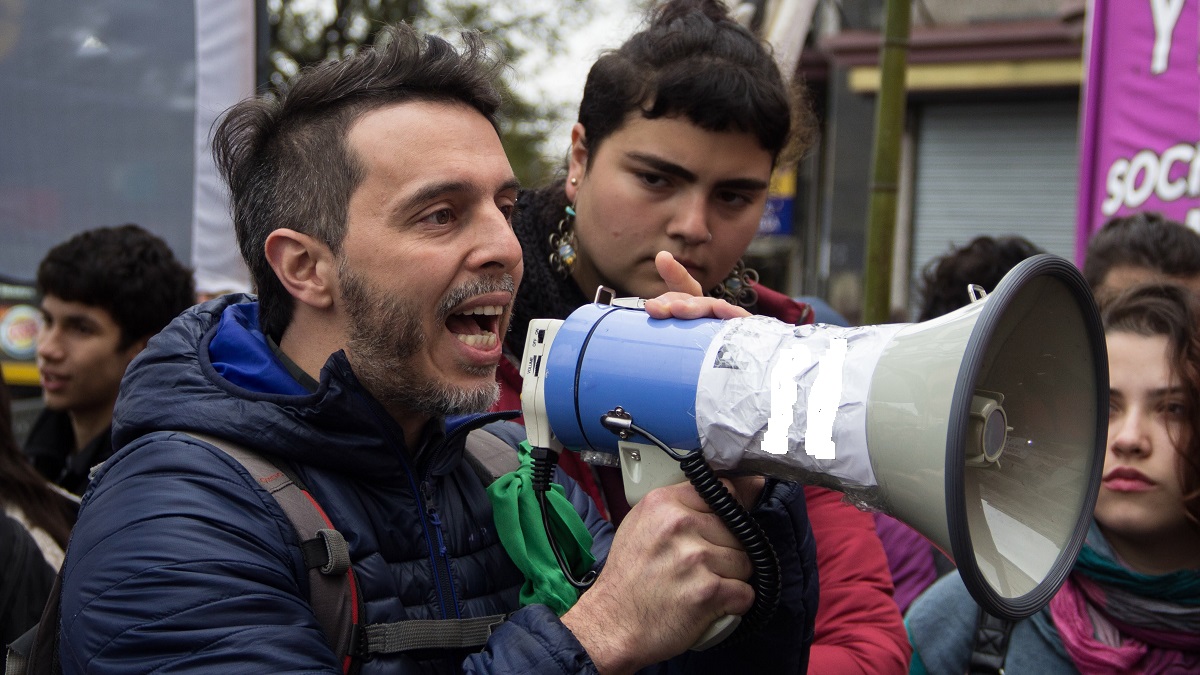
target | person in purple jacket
x=373, y=202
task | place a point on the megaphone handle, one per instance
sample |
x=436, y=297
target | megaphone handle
x=717, y=632
x=645, y=467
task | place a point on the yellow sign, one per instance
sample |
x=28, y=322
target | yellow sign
x=21, y=374
x=783, y=183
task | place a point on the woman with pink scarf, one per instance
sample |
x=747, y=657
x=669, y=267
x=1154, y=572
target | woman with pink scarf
x=1132, y=601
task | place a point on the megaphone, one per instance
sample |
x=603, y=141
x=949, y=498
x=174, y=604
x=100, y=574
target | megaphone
x=983, y=429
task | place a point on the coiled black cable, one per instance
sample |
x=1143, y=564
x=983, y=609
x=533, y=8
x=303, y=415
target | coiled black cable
x=543, y=469
x=763, y=561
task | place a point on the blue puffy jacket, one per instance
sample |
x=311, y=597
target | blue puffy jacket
x=181, y=563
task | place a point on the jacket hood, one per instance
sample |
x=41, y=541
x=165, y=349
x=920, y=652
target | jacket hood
x=212, y=371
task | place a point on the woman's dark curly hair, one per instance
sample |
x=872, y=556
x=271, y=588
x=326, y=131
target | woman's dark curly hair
x=983, y=262
x=694, y=61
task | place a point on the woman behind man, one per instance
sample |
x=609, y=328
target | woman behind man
x=36, y=523
x=678, y=132
x=1132, y=602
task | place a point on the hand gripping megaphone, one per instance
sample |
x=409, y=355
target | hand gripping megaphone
x=983, y=429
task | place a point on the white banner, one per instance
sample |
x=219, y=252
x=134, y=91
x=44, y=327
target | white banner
x=224, y=75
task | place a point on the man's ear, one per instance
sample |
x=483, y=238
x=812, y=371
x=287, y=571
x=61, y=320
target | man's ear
x=304, y=266
x=577, y=159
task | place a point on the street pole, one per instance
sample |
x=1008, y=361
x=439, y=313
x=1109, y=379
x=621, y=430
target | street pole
x=885, y=163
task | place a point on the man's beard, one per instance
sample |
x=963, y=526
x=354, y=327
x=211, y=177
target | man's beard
x=386, y=336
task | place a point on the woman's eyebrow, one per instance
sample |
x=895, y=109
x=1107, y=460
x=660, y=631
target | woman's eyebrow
x=671, y=168
x=663, y=166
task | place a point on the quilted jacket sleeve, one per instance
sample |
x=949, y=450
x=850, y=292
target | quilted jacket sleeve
x=532, y=640
x=178, y=563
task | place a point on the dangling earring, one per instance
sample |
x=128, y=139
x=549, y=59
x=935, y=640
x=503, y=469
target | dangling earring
x=562, y=244
x=737, y=288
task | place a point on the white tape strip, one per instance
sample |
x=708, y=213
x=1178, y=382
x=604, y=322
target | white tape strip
x=784, y=391
x=823, y=400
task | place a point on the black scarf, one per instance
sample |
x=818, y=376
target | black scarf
x=543, y=293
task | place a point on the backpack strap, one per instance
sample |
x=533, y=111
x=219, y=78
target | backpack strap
x=333, y=591
x=35, y=652
x=332, y=587
x=991, y=645
x=419, y=634
x=490, y=456
x=16, y=659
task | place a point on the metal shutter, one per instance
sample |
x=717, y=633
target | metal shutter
x=995, y=169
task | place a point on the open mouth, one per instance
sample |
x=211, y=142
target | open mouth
x=478, y=327
x=52, y=384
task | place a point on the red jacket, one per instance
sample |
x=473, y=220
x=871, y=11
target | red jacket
x=858, y=627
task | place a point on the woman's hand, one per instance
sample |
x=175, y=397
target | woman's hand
x=685, y=298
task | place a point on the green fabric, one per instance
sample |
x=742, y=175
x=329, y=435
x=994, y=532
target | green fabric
x=1182, y=587
x=519, y=524
x=916, y=666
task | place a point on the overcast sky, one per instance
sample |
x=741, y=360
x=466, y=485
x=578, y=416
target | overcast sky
x=560, y=78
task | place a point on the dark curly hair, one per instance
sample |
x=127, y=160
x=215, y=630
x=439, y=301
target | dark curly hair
x=983, y=262
x=285, y=157
x=1173, y=311
x=695, y=61
x=1145, y=240
x=124, y=270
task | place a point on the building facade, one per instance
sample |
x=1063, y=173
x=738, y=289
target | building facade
x=990, y=143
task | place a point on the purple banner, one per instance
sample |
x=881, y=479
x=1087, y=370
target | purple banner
x=1140, y=142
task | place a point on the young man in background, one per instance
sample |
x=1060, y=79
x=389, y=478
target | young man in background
x=104, y=293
